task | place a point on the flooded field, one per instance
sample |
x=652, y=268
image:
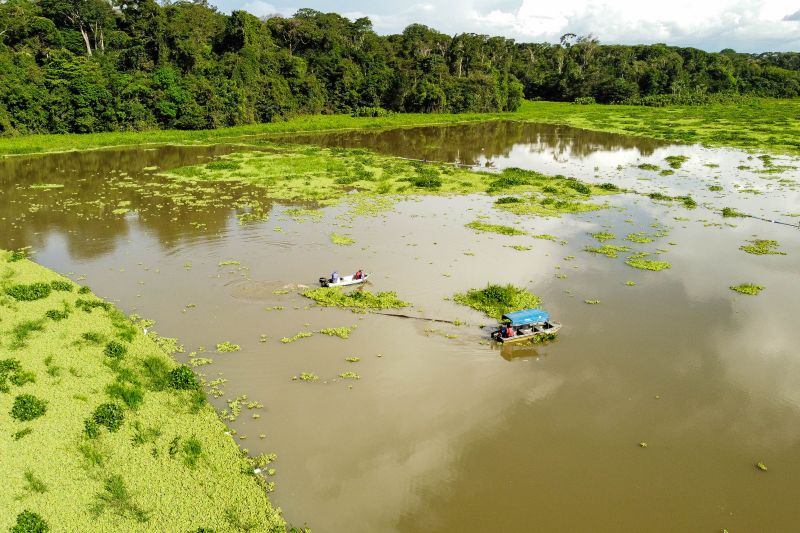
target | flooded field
x=649, y=413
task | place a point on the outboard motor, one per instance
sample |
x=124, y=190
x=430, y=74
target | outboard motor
x=323, y=282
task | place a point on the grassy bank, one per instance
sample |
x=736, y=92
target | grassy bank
x=101, y=430
x=763, y=124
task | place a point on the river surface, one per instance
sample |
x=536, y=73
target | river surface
x=443, y=432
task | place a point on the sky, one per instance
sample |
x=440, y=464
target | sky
x=712, y=25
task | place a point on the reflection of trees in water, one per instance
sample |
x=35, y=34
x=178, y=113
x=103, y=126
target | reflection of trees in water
x=466, y=143
x=94, y=185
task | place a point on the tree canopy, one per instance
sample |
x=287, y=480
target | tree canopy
x=91, y=65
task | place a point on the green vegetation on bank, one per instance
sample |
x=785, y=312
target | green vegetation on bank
x=101, y=429
x=762, y=124
x=497, y=300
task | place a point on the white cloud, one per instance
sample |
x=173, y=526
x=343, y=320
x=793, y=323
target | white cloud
x=260, y=8
x=742, y=24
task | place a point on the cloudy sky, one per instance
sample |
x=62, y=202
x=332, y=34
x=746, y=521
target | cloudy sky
x=744, y=25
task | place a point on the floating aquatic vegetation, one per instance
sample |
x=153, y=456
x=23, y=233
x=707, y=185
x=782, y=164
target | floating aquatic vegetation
x=229, y=262
x=630, y=283
x=638, y=261
x=545, y=236
x=342, y=240
x=729, y=212
x=520, y=248
x=640, y=237
x=675, y=161
x=608, y=250
x=335, y=297
x=342, y=332
x=308, y=376
x=551, y=205
x=353, y=359
x=200, y=361
x=762, y=247
x=349, y=375
x=477, y=225
x=497, y=300
x=602, y=236
x=591, y=302
x=29, y=293
x=227, y=347
x=28, y=407
x=748, y=288
x=761, y=466
x=649, y=166
x=296, y=337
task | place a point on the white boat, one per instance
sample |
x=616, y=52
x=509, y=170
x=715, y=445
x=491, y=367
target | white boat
x=343, y=281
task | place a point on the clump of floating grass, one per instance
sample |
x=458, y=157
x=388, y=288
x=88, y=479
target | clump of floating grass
x=638, y=261
x=545, y=236
x=497, y=300
x=296, y=337
x=675, y=161
x=729, y=212
x=349, y=375
x=748, y=288
x=353, y=359
x=334, y=297
x=602, y=236
x=715, y=188
x=308, y=376
x=761, y=466
x=630, y=283
x=229, y=262
x=227, y=347
x=649, y=166
x=521, y=248
x=477, y=225
x=608, y=250
x=591, y=302
x=762, y=247
x=342, y=333
x=341, y=240
x=640, y=237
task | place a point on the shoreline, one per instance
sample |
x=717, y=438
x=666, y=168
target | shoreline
x=707, y=125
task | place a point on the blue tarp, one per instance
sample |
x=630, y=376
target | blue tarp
x=527, y=316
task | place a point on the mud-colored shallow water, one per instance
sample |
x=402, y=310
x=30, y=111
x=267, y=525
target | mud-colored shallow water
x=443, y=432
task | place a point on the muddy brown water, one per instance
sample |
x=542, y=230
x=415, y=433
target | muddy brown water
x=444, y=432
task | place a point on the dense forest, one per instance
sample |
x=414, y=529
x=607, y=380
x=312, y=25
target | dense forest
x=91, y=65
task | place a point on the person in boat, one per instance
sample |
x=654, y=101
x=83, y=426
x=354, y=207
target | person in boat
x=358, y=275
x=335, y=277
x=509, y=331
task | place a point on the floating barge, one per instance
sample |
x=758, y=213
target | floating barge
x=530, y=325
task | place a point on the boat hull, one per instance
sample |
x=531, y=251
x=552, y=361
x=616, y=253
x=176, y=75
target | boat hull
x=531, y=337
x=344, y=281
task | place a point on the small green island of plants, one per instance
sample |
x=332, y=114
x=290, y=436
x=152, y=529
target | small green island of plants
x=497, y=300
